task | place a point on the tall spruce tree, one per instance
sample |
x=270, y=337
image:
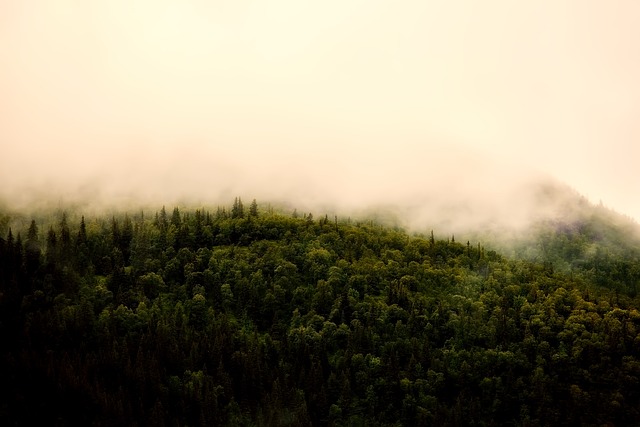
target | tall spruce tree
x=237, y=211
x=253, y=209
x=32, y=249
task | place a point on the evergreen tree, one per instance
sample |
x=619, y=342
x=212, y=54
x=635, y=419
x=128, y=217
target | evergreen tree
x=163, y=222
x=65, y=240
x=126, y=237
x=253, y=209
x=52, y=246
x=82, y=233
x=82, y=258
x=176, y=220
x=237, y=211
x=198, y=230
x=32, y=249
x=115, y=232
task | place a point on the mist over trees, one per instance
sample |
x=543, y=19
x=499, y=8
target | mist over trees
x=243, y=316
x=414, y=264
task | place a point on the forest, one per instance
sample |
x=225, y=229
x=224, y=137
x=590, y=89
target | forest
x=242, y=316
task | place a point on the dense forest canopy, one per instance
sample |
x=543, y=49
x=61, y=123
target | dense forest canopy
x=244, y=316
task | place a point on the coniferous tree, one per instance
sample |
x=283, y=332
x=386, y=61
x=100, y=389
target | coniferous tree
x=32, y=249
x=163, y=222
x=18, y=251
x=198, y=230
x=176, y=220
x=12, y=262
x=65, y=240
x=237, y=211
x=3, y=257
x=82, y=233
x=253, y=209
x=126, y=236
x=115, y=232
x=82, y=255
x=52, y=246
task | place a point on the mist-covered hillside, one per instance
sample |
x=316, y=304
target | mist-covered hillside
x=580, y=238
x=410, y=260
x=239, y=315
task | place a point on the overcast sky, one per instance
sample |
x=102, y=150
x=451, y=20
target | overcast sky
x=319, y=101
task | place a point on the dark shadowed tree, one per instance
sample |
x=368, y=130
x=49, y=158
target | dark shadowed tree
x=82, y=233
x=175, y=217
x=237, y=211
x=32, y=249
x=65, y=240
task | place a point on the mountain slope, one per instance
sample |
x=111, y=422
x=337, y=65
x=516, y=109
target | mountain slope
x=240, y=317
x=578, y=237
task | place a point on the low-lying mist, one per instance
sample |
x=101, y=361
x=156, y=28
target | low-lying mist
x=434, y=186
x=442, y=114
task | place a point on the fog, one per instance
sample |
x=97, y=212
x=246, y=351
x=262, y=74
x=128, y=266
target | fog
x=444, y=111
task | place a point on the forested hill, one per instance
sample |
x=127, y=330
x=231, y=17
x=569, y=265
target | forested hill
x=580, y=238
x=246, y=317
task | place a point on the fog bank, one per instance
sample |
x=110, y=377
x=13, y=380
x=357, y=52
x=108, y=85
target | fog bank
x=444, y=111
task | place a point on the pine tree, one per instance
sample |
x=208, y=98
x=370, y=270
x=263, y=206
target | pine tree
x=82, y=233
x=12, y=265
x=175, y=217
x=198, y=231
x=253, y=209
x=52, y=246
x=32, y=248
x=32, y=235
x=238, y=209
x=163, y=222
x=65, y=240
x=115, y=231
x=82, y=258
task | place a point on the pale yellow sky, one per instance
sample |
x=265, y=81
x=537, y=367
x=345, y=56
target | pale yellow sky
x=331, y=101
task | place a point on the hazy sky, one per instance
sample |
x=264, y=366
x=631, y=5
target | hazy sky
x=320, y=101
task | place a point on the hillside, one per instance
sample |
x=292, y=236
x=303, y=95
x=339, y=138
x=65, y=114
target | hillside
x=242, y=316
x=582, y=239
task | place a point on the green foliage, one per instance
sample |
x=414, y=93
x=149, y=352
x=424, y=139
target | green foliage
x=266, y=319
x=598, y=246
